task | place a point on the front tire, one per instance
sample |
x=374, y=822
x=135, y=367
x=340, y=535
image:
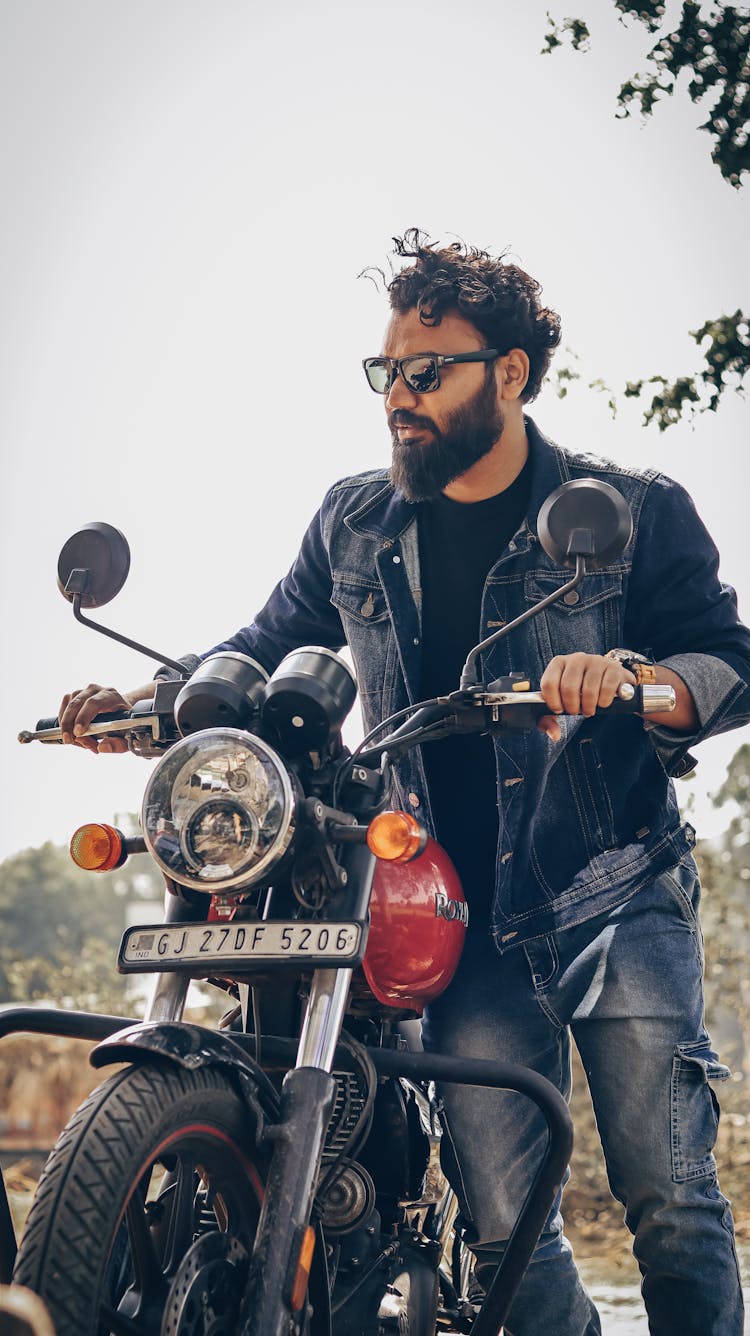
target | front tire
x=159, y=1162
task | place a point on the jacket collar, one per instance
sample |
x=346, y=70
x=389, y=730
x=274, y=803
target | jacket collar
x=387, y=514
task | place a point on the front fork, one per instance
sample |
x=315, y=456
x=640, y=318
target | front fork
x=170, y=990
x=307, y=1100
x=308, y=1095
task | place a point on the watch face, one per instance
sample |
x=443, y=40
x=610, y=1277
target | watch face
x=643, y=669
x=627, y=656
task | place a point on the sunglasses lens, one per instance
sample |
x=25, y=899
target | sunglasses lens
x=421, y=374
x=378, y=374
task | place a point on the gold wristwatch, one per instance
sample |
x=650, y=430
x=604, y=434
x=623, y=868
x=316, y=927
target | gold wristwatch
x=643, y=670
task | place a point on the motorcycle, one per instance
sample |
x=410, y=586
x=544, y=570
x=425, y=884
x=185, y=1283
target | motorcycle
x=279, y=1176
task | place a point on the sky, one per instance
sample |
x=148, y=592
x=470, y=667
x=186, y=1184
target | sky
x=190, y=192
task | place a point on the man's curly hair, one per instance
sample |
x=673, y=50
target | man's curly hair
x=497, y=297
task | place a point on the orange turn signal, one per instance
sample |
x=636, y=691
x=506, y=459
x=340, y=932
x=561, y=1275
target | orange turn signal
x=97, y=848
x=396, y=837
x=302, y=1274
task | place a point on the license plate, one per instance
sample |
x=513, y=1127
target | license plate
x=206, y=947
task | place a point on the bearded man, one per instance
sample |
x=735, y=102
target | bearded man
x=582, y=889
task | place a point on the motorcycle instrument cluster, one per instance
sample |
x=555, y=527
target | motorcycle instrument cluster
x=224, y=689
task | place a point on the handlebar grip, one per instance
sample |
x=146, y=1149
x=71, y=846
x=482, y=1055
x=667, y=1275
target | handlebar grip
x=650, y=698
x=110, y=718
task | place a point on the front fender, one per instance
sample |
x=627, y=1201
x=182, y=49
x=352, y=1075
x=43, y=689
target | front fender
x=189, y=1046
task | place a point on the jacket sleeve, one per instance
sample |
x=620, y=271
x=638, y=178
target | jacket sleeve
x=298, y=612
x=680, y=614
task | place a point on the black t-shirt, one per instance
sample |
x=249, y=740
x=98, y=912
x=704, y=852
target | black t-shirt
x=459, y=543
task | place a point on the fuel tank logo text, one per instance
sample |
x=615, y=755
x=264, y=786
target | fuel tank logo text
x=455, y=911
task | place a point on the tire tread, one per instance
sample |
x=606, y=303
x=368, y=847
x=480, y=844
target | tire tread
x=76, y=1203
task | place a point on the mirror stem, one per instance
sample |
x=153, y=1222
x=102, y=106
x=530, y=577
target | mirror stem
x=123, y=640
x=470, y=675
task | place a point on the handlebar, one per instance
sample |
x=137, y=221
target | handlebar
x=476, y=710
x=482, y=711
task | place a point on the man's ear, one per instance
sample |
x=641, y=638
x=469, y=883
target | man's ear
x=513, y=373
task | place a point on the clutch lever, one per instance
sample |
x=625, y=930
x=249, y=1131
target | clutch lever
x=104, y=726
x=150, y=723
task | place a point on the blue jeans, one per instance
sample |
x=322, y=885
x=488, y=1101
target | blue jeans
x=628, y=986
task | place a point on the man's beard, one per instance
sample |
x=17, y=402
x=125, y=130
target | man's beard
x=422, y=471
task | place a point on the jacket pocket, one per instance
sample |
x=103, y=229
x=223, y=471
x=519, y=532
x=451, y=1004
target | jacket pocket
x=587, y=619
x=358, y=600
x=364, y=614
x=694, y=1109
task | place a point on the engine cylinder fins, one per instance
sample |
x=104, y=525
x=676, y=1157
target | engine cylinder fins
x=349, y=1200
x=351, y=1097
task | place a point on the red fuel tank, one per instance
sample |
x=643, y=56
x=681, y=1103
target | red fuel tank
x=418, y=918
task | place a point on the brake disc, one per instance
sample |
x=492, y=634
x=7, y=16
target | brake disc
x=205, y=1295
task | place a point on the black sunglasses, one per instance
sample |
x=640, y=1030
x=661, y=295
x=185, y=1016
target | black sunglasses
x=420, y=371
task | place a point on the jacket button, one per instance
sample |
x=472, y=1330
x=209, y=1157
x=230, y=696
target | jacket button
x=397, y=560
x=413, y=800
x=572, y=598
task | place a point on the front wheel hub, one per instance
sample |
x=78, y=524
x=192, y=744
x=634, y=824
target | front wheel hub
x=206, y=1293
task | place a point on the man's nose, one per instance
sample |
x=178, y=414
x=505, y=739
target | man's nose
x=400, y=395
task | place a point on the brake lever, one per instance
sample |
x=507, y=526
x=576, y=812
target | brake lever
x=511, y=706
x=516, y=707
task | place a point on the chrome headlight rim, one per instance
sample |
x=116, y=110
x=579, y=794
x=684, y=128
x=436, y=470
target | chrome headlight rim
x=281, y=841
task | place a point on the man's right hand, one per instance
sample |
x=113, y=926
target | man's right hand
x=79, y=708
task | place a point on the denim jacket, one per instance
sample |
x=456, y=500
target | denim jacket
x=586, y=821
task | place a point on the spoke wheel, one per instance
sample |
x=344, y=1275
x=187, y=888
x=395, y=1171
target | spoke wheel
x=146, y=1211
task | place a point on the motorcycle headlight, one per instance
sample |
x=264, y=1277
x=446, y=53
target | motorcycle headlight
x=219, y=810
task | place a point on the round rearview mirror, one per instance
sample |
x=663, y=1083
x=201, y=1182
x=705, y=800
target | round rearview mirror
x=100, y=557
x=585, y=518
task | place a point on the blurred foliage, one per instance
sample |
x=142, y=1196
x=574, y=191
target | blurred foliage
x=725, y=344
x=725, y=873
x=574, y=30
x=62, y=927
x=710, y=44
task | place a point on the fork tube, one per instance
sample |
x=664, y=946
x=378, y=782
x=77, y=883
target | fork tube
x=324, y=1016
x=168, y=998
x=307, y=1099
x=170, y=989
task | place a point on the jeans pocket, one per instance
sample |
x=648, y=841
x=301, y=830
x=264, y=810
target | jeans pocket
x=694, y=1109
x=684, y=881
x=683, y=884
